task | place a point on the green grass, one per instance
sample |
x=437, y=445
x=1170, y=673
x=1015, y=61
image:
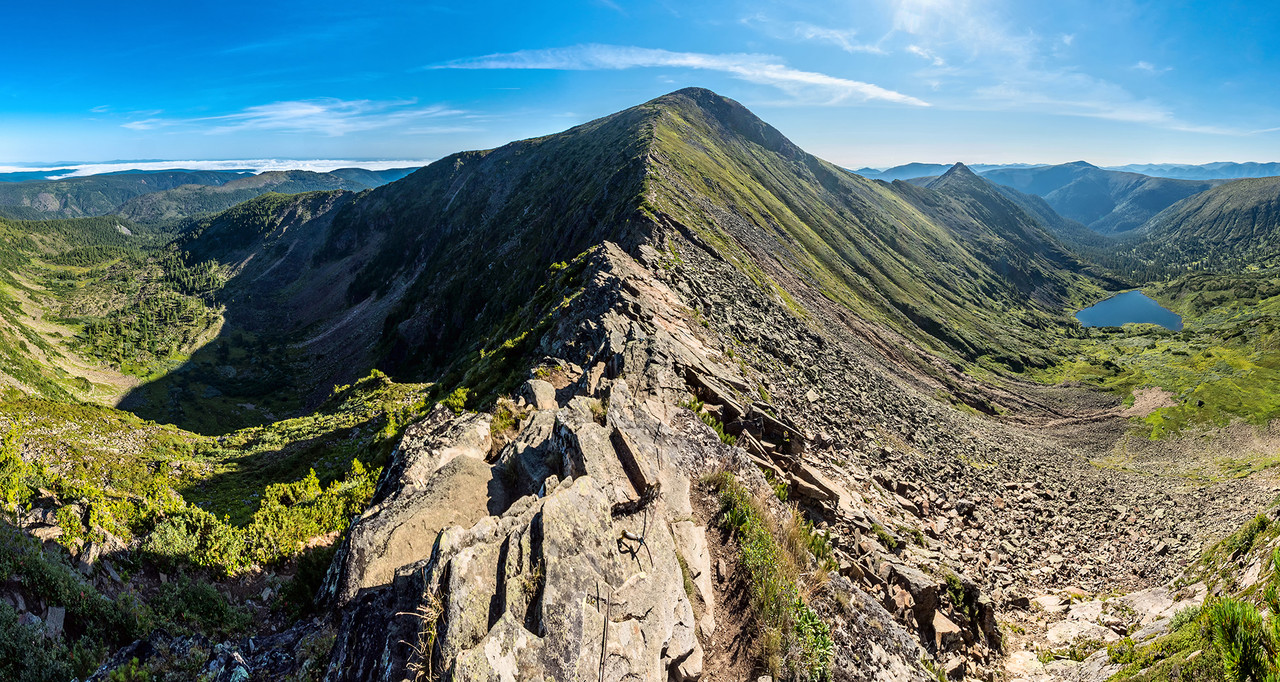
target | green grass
x=718, y=426
x=796, y=639
x=930, y=264
x=1224, y=365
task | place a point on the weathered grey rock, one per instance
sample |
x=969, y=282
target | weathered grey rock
x=924, y=591
x=946, y=633
x=691, y=541
x=439, y=478
x=540, y=394
x=525, y=463
x=54, y=619
x=45, y=533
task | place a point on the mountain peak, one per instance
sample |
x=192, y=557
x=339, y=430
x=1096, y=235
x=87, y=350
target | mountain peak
x=728, y=117
x=958, y=175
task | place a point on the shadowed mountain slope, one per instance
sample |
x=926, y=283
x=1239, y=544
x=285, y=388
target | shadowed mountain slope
x=192, y=200
x=1105, y=201
x=95, y=195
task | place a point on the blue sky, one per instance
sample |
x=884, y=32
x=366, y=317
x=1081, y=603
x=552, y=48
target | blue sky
x=857, y=82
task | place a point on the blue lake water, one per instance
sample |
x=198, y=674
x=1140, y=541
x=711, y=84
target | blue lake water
x=1131, y=306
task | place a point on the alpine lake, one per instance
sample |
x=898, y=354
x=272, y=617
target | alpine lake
x=1130, y=306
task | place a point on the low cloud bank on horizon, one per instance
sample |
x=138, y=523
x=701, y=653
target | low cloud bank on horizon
x=76, y=170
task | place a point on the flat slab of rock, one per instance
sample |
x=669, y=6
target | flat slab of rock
x=403, y=529
x=1066, y=632
x=1161, y=602
x=541, y=394
x=1050, y=603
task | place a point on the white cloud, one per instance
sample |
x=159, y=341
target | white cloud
x=992, y=65
x=144, y=124
x=328, y=117
x=817, y=88
x=1150, y=68
x=804, y=31
x=251, y=165
x=926, y=54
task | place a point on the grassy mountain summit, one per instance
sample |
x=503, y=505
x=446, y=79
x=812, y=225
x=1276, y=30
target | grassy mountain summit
x=933, y=263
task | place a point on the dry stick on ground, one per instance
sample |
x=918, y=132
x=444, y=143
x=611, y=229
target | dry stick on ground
x=644, y=532
x=604, y=642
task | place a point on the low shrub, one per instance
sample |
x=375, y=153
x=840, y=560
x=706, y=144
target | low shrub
x=199, y=605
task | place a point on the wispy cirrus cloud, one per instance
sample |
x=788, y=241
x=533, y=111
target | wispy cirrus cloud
x=811, y=86
x=1151, y=68
x=924, y=53
x=326, y=116
x=845, y=39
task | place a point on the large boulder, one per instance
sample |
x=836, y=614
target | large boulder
x=438, y=478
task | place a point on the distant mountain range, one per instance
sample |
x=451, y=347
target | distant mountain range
x=1105, y=201
x=192, y=200
x=1222, y=170
x=156, y=195
x=911, y=171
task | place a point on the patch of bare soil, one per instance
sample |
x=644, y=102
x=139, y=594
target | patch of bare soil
x=730, y=653
x=1148, y=400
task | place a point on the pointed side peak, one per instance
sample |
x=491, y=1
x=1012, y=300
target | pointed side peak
x=957, y=176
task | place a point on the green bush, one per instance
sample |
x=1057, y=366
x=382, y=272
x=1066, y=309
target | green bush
x=715, y=424
x=1244, y=639
x=170, y=543
x=14, y=491
x=200, y=605
x=1183, y=617
x=196, y=537
x=457, y=401
x=289, y=516
x=26, y=655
